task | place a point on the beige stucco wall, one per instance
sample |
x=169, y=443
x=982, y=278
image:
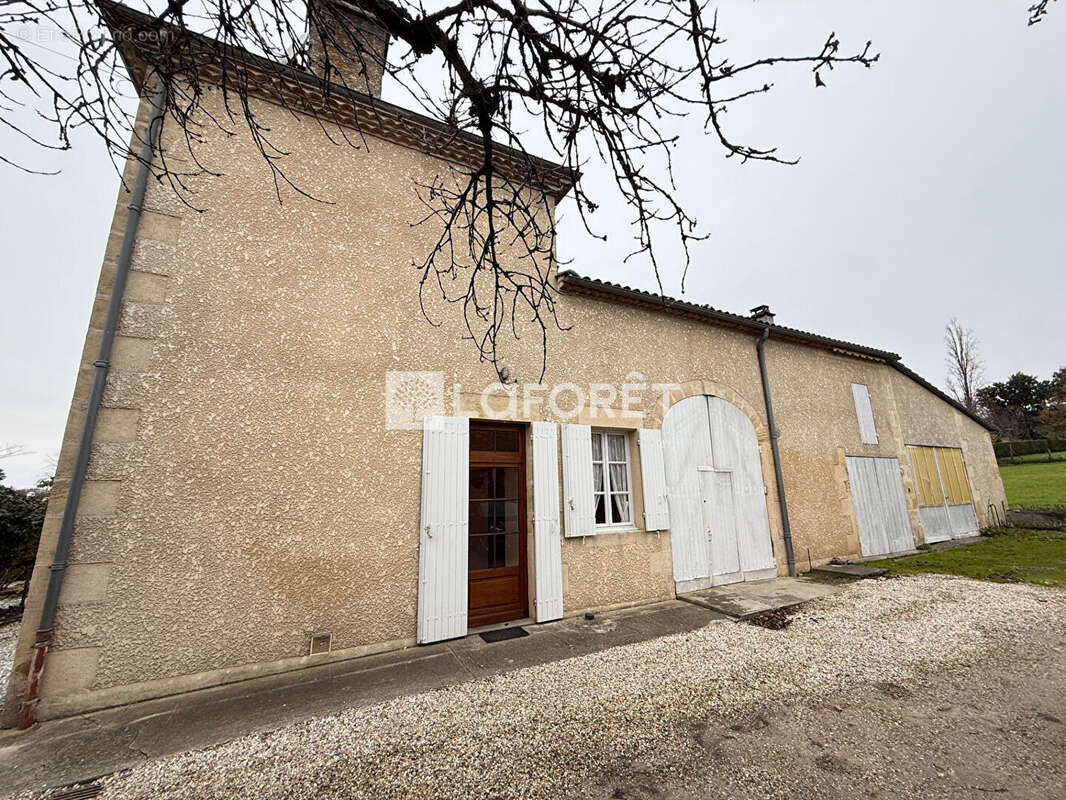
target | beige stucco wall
x=924, y=420
x=244, y=492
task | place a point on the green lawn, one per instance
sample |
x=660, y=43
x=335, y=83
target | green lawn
x=1014, y=556
x=1035, y=484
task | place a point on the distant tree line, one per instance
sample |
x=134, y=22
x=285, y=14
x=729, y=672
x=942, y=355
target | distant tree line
x=1025, y=407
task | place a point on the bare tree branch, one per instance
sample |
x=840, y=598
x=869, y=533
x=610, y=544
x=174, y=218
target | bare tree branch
x=12, y=450
x=603, y=80
x=1037, y=11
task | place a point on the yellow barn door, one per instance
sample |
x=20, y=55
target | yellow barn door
x=945, y=502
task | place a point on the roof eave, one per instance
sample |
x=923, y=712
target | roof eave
x=554, y=179
x=571, y=282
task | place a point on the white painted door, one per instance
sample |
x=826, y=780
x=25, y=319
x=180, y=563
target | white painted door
x=444, y=531
x=720, y=523
x=710, y=433
x=880, y=505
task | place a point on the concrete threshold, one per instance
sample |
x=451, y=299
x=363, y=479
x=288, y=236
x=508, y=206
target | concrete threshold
x=75, y=749
x=846, y=571
x=745, y=600
x=953, y=543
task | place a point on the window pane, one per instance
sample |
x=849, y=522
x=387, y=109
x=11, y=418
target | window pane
x=481, y=515
x=620, y=507
x=493, y=516
x=479, y=553
x=480, y=439
x=480, y=483
x=496, y=516
x=597, y=447
x=509, y=516
x=511, y=550
x=618, y=478
x=597, y=477
x=507, y=441
x=601, y=510
x=506, y=482
x=616, y=447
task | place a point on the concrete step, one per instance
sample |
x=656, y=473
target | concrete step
x=847, y=571
x=745, y=600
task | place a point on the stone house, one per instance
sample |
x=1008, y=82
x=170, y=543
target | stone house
x=288, y=466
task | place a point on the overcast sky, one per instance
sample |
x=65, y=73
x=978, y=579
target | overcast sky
x=929, y=187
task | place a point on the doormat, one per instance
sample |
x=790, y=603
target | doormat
x=503, y=634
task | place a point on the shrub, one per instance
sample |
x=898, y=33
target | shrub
x=1028, y=447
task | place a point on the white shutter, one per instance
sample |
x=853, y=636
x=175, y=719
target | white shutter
x=865, y=412
x=547, y=547
x=578, y=507
x=653, y=480
x=443, y=548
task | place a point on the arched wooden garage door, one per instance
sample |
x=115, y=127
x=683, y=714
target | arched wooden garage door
x=719, y=528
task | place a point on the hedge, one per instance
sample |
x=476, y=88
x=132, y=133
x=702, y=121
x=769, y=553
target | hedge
x=1028, y=447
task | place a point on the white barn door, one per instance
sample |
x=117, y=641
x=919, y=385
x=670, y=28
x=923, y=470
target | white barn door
x=719, y=527
x=736, y=449
x=880, y=505
x=687, y=447
x=444, y=531
x=720, y=521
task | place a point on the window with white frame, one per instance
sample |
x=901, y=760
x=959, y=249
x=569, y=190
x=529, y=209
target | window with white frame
x=612, y=494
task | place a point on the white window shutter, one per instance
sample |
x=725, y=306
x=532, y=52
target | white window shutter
x=547, y=547
x=653, y=479
x=579, y=512
x=865, y=412
x=443, y=548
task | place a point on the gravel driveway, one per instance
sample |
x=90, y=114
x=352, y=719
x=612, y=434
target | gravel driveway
x=728, y=710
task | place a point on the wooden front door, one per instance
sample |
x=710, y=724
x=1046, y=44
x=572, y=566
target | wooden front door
x=497, y=565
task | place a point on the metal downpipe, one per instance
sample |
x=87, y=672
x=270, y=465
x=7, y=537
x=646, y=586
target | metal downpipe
x=790, y=555
x=46, y=628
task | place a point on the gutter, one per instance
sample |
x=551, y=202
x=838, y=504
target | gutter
x=46, y=629
x=782, y=503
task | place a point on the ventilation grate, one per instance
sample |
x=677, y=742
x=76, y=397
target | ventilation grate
x=321, y=643
x=77, y=792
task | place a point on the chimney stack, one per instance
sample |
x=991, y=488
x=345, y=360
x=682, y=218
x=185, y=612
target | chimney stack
x=353, y=41
x=763, y=314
